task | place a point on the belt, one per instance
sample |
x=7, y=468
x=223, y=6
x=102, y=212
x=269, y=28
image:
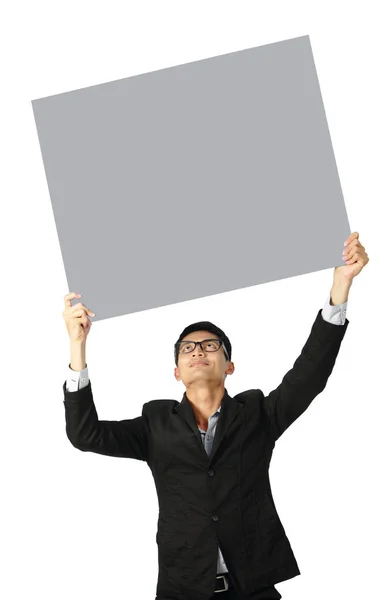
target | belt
x=223, y=582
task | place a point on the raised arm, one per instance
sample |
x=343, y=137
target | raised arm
x=308, y=376
x=127, y=438
x=310, y=372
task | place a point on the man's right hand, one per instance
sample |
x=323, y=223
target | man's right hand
x=76, y=319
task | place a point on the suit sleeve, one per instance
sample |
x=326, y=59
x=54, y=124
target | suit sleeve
x=126, y=439
x=308, y=376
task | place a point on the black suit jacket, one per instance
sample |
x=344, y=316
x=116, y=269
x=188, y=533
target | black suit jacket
x=225, y=497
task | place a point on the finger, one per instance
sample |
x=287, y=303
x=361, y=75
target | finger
x=351, y=237
x=80, y=305
x=80, y=312
x=85, y=322
x=355, y=251
x=69, y=297
x=356, y=258
x=352, y=247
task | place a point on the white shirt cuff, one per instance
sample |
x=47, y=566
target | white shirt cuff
x=76, y=379
x=334, y=314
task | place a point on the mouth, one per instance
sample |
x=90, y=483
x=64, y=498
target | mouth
x=199, y=364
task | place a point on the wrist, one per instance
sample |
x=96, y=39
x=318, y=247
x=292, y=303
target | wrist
x=340, y=291
x=78, y=356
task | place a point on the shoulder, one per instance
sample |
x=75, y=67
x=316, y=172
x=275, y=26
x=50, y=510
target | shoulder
x=246, y=395
x=164, y=405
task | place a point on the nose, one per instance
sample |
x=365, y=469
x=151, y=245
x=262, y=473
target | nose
x=198, y=349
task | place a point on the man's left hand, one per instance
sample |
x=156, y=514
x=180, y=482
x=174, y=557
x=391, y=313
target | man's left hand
x=355, y=256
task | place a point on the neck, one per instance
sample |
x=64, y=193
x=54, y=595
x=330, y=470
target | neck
x=205, y=400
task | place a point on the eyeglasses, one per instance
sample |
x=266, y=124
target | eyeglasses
x=208, y=345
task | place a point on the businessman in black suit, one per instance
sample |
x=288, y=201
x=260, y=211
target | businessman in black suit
x=218, y=528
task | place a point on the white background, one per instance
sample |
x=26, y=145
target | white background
x=78, y=525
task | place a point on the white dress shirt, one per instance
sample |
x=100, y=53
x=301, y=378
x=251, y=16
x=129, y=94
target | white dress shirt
x=78, y=379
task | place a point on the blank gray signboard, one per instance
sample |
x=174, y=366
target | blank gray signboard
x=193, y=180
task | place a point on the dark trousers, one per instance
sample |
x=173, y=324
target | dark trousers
x=270, y=593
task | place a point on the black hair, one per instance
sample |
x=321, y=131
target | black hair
x=203, y=326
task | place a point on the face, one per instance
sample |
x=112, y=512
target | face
x=200, y=365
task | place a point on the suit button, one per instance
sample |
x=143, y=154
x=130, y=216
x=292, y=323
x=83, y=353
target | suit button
x=215, y=518
x=211, y=472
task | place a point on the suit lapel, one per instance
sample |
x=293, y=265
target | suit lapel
x=229, y=411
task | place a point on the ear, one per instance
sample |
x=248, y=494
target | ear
x=230, y=369
x=177, y=374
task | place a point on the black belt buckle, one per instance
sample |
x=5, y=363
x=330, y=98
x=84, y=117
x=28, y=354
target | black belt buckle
x=225, y=582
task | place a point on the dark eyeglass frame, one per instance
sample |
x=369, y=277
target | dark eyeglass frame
x=221, y=344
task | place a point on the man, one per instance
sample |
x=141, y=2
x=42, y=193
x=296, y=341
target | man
x=218, y=529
